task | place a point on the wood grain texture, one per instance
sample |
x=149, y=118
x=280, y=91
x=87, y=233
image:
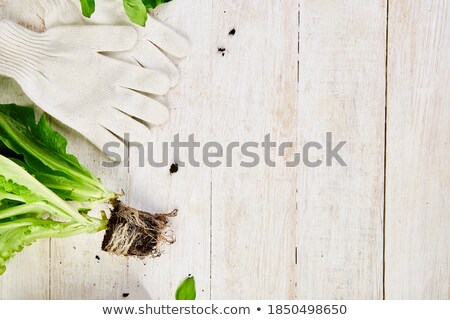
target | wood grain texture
x=254, y=94
x=188, y=190
x=342, y=90
x=418, y=175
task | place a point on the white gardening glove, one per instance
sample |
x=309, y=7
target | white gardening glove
x=152, y=38
x=62, y=71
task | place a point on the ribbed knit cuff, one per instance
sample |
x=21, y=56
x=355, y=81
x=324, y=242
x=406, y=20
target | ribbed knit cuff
x=20, y=50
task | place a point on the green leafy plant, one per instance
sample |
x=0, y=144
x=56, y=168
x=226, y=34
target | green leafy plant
x=42, y=152
x=186, y=290
x=26, y=206
x=136, y=10
x=38, y=179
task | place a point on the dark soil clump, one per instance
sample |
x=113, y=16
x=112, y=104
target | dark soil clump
x=173, y=168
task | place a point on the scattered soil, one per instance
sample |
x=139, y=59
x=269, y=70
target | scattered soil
x=136, y=233
x=173, y=168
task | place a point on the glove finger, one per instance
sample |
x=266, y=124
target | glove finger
x=97, y=38
x=143, y=107
x=124, y=126
x=150, y=57
x=143, y=80
x=166, y=39
x=146, y=55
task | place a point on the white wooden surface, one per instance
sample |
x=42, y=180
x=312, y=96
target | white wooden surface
x=295, y=69
x=341, y=90
x=418, y=153
x=254, y=91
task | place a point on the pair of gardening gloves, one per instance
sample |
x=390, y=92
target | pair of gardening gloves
x=101, y=75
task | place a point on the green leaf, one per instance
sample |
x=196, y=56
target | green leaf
x=42, y=152
x=87, y=7
x=152, y=4
x=14, y=180
x=136, y=11
x=11, y=188
x=18, y=233
x=36, y=176
x=186, y=291
x=23, y=201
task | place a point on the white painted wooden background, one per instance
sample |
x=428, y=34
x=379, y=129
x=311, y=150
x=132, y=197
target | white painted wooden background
x=378, y=228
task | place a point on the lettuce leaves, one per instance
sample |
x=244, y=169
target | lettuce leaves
x=24, y=201
x=42, y=152
x=37, y=178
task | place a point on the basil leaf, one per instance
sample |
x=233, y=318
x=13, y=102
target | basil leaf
x=136, y=11
x=87, y=7
x=186, y=291
x=152, y=4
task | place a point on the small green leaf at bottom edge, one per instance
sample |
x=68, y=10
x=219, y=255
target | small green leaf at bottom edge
x=186, y=291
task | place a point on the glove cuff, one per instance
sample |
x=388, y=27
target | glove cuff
x=20, y=50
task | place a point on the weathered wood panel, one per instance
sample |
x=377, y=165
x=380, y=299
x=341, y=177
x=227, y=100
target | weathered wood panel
x=418, y=151
x=342, y=91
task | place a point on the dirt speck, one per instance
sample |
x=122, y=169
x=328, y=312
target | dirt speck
x=125, y=294
x=232, y=32
x=222, y=51
x=173, y=168
x=97, y=258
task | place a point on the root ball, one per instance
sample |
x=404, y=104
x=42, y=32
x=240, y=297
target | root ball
x=136, y=233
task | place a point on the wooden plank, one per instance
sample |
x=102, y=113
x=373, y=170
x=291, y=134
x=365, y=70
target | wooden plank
x=342, y=90
x=254, y=94
x=418, y=140
x=27, y=275
x=79, y=269
x=188, y=190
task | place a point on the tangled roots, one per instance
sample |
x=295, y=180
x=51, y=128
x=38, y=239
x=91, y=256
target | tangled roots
x=136, y=233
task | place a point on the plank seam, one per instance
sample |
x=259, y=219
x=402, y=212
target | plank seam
x=50, y=269
x=296, y=276
x=385, y=147
x=210, y=237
